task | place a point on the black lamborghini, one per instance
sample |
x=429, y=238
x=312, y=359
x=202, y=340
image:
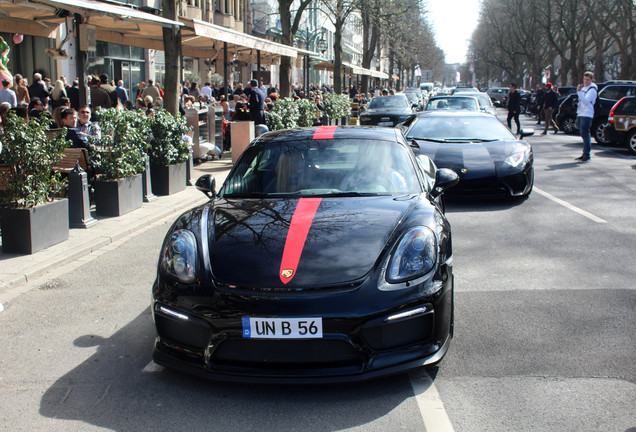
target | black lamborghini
x=325, y=256
x=489, y=159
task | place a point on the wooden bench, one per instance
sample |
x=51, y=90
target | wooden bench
x=71, y=157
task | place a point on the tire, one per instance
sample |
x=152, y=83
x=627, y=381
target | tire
x=599, y=132
x=630, y=141
x=568, y=125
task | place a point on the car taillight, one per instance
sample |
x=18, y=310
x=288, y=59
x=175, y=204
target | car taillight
x=610, y=118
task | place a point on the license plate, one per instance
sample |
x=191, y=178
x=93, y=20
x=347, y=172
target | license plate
x=282, y=328
x=385, y=123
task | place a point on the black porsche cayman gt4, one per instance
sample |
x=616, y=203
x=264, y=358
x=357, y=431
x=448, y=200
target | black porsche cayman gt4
x=324, y=256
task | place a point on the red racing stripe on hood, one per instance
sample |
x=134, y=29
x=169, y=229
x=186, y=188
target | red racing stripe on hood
x=296, y=236
x=324, y=132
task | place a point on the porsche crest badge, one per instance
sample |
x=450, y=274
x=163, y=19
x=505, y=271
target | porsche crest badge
x=287, y=273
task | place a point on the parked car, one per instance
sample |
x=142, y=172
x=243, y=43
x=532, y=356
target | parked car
x=416, y=101
x=622, y=119
x=325, y=256
x=488, y=158
x=387, y=110
x=464, y=90
x=608, y=95
x=566, y=115
x=485, y=103
x=454, y=102
x=497, y=94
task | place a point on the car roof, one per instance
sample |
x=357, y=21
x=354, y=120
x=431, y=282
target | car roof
x=340, y=132
x=453, y=113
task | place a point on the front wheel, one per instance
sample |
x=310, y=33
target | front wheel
x=601, y=133
x=568, y=125
x=630, y=141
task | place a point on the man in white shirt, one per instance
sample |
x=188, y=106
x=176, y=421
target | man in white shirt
x=588, y=92
x=206, y=91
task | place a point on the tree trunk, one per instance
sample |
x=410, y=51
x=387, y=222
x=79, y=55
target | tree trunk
x=337, y=58
x=172, y=50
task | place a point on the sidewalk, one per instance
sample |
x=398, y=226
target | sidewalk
x=16, y=270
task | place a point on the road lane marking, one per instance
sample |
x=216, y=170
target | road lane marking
x=569, y=206
x=430, y=404
x=152, y=367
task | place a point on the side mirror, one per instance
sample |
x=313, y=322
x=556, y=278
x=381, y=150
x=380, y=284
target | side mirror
x=446, y=178
x=414, y=146
x=526, y=133
x=496, y=103
x=206, y=184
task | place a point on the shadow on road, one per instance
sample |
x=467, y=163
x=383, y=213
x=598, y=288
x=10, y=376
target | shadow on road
x=110, y=390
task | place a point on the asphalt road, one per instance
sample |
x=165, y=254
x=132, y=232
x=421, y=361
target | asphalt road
x=544, y=339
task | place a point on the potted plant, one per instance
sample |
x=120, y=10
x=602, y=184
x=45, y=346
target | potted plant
x=119, y=161
x=31, y=218
x=169, y=152
x=337, y=107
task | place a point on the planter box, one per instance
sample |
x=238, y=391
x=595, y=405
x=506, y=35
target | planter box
x=118, y=197
x=169, y=179
x=29, y=230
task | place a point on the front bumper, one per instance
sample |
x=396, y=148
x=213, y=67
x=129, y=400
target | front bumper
x=361, y=345
x=513, y=185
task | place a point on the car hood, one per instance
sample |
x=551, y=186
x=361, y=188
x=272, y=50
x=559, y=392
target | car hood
x=470, y=160
x=345, y=239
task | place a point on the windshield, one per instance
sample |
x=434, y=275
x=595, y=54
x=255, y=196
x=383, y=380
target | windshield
x=484, y=100
x=451, y=102
x=459, y=129
x=344, y=167
x=389, y=102
x=412, y=97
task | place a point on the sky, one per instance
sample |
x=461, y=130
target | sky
x=453, y=22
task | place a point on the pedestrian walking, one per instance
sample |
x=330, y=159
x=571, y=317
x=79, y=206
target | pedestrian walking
x=514, y=107
x=539, y=98
x=550, y=105
x=256, y=103
x=588, y=93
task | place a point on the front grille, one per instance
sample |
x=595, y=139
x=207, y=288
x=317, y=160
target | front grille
x=286, y=354
x=288, y=291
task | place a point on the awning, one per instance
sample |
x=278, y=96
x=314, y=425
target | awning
x=113, y=23
x=350, y=68
x=207, y=41
x=130, y=26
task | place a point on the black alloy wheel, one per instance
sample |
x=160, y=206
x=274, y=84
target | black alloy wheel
x=599, y=131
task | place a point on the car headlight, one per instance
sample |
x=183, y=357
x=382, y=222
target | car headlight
x=179, y=257
x=414, y=256
x=519, y=156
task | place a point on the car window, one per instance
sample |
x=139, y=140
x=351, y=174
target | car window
x=484, y=100
x=468, y=103
x=388, y=102
x=617, y=92
x=324, y=167
x=628, y=106
x=459, y=129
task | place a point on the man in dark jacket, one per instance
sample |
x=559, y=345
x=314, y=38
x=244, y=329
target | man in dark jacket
x=98, y=96
x=539, y=97
x=514, y=107
x=257, y=103
x=550, y=106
